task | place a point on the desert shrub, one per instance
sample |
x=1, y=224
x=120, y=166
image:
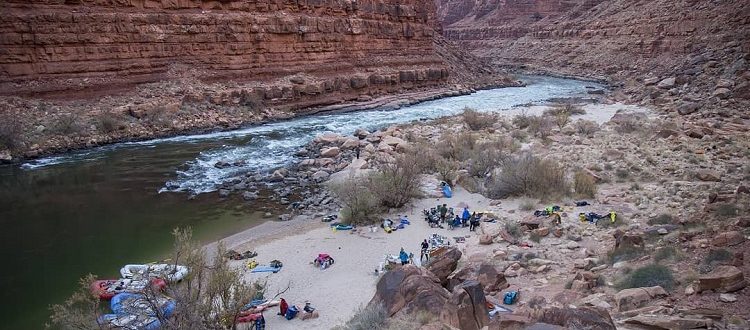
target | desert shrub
x=666, y=253
x=359, y=204
x=486, y=156
x=371, y=317
x=625, y=252
x=629, y=124
x=513, y=229
x=566, y=108
x=107, y=122
x=159, y=116
x=67, y=124
x=447, y=171
x=530, y=176
x=584, y=184
x=534, y=237
x=726, y=210
x=477, y=120
x=397, y=183
x=650, y=275
x=622, y=173
x=541, y=126
x=717, y=256
x=80, y=310
x=562, y=119
x=661, y=219
x=522, y=120
x=519, y=135
x=586, y=127
x=457, y=146
x=470, y=183
x=11, y=129
x=527, y=204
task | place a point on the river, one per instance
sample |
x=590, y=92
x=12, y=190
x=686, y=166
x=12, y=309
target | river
x=93, y=211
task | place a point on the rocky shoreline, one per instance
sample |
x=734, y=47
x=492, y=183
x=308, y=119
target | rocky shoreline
x=143, y=121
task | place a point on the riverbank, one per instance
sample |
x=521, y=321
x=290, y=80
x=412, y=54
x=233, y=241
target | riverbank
x=68, y=127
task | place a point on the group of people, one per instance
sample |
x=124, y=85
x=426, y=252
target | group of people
x=466, y=219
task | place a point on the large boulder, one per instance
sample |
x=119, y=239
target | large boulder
x=411, y=289
x=630, y=299
x=491, y=278
x=330, y=152
x=443, y=265
x=576, y=318
x=729, y=238
x=722, y=279
x=328, y=138
x=393, y=141
x=466, y=308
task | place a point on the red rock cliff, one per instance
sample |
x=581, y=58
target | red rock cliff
x=110, y=43
x=700, y=43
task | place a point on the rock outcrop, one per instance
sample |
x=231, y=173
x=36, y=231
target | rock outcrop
x=697, y=47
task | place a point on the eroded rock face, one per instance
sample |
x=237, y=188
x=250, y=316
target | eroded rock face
x=445, y=264
x=723, y=279
x=466, y=308
x=410, y=288
x=629, y=299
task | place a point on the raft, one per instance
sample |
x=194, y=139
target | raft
x=171, y=273
x=106, y=289
x=343, y=227
x=129, y=321
x=447, y=192
x=137, y=304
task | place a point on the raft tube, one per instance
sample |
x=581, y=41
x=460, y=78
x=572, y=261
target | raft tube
x=171, y=273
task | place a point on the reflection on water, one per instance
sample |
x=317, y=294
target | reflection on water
x=93, y=211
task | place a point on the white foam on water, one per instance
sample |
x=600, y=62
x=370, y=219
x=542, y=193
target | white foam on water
x=273, y=145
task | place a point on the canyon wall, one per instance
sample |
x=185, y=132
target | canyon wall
x=699, y=43
x=50, y=46
x=206, y=64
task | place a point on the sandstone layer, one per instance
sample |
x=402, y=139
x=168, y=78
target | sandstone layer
x=703, y=46
x=225, y=63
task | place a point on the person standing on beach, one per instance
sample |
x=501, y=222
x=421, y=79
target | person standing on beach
x=443, y=212
x=424, y=254
x=404, y=257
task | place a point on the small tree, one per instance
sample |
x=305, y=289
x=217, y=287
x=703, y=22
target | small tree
x=79, y=311
x=397, y=183
x=360, y=205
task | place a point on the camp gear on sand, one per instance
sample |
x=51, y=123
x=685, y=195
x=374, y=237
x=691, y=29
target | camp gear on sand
x=291, y=312
x=510, y=297
x=265, y=269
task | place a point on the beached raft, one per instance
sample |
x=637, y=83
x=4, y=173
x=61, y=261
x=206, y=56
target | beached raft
x=106, y=289
x=171, y=273
x=134, y=311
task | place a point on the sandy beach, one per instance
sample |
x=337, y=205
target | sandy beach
x=338, y=291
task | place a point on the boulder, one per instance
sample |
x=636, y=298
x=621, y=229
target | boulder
x=730, y=238
x=687, y=108
x=249, y=196
x=350, y=144
x=491, y=278
x=320, y=176
x=485, y=239
x=541, y=231
x=629, y=299
x=361, y=134
x=667, y=83
x=722, y=93
x=722, y=279
x=708, y=175
x=224, y=192
x=278, y=175
x=727, y=298
x=443, y=265
x=466, y=309
x=410, y=288
x=330, y=152
x=576, y=318
x=669, y=322
x=328, y=138
x=393, y=141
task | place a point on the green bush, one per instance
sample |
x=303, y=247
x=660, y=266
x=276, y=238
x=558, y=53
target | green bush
x=625, y=252
x=457, y=146
x=650, y=275
x=396, y=184
x=527, y=204
x=513, y=229
x=726, y=210
x=360, y=205
x=529, y=176
x=717, y=256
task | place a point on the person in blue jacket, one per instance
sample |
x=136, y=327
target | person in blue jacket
x=403, y=256
x=465, y=216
